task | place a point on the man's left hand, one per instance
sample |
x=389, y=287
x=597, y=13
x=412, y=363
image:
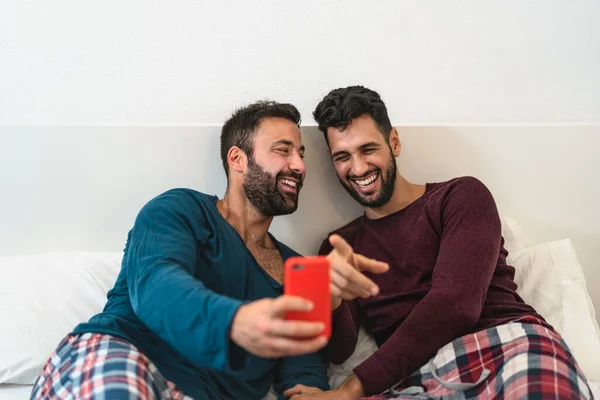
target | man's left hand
x=298, y=392
x=310, y=393
x=351, y=389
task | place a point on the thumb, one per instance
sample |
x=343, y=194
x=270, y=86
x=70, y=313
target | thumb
x=282, y=304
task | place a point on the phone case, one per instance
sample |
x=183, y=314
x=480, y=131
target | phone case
x=308, y=277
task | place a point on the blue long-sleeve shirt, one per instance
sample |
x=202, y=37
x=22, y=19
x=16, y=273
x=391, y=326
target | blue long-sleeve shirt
x=185, y=272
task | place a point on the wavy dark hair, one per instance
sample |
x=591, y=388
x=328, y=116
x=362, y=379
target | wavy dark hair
x=240, y=128
x=342, y=105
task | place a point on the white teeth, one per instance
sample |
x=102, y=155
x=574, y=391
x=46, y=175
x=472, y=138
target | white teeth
x=288, y=182
x=366, y=182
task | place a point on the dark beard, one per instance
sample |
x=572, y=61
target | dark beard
x=388, y=183
x=261, y=190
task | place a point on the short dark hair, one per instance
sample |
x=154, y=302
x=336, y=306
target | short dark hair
x=240, y=128
x=342, y=105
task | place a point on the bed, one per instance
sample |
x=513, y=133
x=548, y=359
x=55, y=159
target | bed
x=549, y=277
x=14, y=392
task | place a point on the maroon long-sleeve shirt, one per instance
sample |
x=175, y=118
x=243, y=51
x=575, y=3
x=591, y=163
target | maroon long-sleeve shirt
x=448, y=277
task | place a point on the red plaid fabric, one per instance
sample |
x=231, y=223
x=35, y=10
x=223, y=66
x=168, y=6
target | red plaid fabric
x=96, y=366
x=520, y=360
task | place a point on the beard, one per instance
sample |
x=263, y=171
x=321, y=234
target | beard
x=261, y=189
x=388, y=183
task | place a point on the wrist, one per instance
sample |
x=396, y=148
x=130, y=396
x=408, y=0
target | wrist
x=237, y=322
x=352, y=388
x=234, y=351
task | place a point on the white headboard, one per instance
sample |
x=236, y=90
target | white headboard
x=69, y=188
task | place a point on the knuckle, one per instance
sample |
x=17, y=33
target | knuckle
x=277, y=349
x=272, y=306
x=264, y=328
x=285, y=350
x=312, y=346
x=282, y=301
x=343, y=271
x=267, y=345
x=293, y=330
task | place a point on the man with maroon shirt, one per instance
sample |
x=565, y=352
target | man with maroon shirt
x=448, y=320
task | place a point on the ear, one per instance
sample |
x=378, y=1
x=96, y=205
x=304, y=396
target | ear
x=237, y=159
x=394, y=142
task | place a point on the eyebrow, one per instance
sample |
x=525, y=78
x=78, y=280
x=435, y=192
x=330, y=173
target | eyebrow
x=288, y=143
x=362, y=147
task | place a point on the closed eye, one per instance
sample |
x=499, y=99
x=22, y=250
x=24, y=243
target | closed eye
x=370, y=150
x=341, y=158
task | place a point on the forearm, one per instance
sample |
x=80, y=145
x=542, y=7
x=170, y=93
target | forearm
x=434, y=322
x=309, y=370
x=351, y=389
x=161, y=262
x=184, y=313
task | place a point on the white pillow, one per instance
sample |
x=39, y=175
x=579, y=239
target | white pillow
x=42, y=298
x=551, y=280
x=514, y=237
x=365, y=346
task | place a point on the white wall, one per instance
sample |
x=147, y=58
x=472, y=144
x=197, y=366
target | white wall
x=80, y=188
x=192, y=61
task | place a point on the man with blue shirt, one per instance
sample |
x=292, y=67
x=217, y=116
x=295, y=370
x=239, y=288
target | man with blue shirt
x=197, y=310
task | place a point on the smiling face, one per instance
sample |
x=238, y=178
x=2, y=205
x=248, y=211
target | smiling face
x=364, y=162
x=275, y=171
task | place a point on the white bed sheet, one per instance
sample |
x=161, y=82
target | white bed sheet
x=22, y=392
x=15, y=392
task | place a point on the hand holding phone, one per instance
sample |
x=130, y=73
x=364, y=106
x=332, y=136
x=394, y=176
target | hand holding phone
x=260, y=328
x=308, y=277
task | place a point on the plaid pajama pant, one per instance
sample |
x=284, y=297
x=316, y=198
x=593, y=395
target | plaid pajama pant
x=525, y=359
x=97, y=366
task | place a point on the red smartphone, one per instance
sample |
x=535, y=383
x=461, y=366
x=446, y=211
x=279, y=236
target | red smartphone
x=308, y=277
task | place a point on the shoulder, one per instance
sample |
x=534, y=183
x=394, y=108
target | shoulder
x=467, y=202
x=467, y=189
x=181, y=202
x=182, y=195
x=459, y=183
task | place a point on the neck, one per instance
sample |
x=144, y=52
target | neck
x=245, y=218
x=405, y=193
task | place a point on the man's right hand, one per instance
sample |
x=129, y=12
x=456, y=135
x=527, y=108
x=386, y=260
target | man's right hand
x=347, y=279
x=260, y=328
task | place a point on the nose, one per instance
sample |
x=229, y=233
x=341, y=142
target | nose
x=297, y=164
x=358, y=166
